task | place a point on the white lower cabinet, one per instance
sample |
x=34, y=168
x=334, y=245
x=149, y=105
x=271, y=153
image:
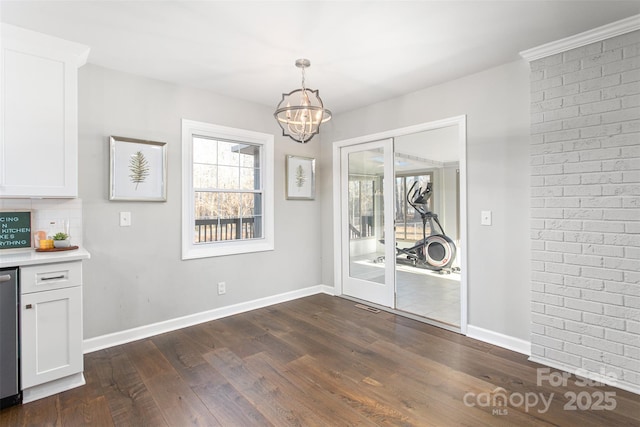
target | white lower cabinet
x=51, y=331
x=51, y=335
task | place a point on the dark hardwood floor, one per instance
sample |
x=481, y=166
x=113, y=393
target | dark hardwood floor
x=319, y=361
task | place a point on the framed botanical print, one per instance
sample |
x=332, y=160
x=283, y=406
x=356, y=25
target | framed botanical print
x=300, y=178
x=138, y=170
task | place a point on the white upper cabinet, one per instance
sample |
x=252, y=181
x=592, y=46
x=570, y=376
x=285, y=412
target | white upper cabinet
x=38, y=114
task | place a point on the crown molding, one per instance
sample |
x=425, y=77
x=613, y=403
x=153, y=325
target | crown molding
x=607, y=31
x=46, y=43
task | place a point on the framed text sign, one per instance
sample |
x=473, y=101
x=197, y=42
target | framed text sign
x=15, y=230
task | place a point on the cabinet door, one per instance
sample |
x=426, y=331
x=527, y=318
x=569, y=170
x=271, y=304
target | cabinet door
x=51, y=332
x=38, y=115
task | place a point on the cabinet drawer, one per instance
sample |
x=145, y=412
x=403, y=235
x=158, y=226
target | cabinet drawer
x=47, y=277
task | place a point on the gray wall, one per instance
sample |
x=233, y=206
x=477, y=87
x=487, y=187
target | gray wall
x=585, y=198
x=135, y=275
x=496, y=103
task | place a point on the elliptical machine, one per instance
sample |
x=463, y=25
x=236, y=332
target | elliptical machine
x=436, y=251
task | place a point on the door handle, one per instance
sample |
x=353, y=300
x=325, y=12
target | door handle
x=5, y=278
x=28, y=306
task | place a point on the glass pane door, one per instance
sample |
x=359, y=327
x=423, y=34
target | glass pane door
x=367, y=220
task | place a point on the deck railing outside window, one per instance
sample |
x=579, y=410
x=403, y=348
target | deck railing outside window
x=220, y=229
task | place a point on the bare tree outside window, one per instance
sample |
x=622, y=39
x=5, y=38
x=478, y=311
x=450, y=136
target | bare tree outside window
x=408, y=221
x=228, y=190
x=361, y=205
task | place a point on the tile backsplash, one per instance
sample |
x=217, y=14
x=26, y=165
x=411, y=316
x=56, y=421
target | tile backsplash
x=49, y=215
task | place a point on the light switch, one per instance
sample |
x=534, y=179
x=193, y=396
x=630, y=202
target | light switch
x=125, y=219
x=485, y=218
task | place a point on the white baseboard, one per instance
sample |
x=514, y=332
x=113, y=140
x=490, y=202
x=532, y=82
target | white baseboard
x=52, y=387
x=633, y=388
x=501, y=340
x=134, y=334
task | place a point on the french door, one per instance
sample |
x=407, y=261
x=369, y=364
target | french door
x=367, y=222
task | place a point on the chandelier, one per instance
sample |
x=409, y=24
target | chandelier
x=301, y=112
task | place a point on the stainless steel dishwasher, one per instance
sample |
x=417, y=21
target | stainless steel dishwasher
x=9, y=347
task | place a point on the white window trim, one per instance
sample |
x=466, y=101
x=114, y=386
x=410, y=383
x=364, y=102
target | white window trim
x=231, y=247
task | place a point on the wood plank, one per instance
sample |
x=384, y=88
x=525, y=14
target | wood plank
x=180, y=350
x=90, y=412
x=317, y=397
x=185, y=356
x=317, y=409
x=444, y=388
x=238, y=334
x=86, y=405
x=269, y=319
x=266, y=397
x=178, y=403
x=130, y=403
x=12, y=416
x=148, y=360
x=228, y=406
x=348, y=390
x=42, y=412
x=202, y=334
x=313, y=361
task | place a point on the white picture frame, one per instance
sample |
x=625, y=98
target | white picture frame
x=300, y=178
x=138, y=170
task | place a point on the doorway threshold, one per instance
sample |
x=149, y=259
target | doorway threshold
x=408, y=315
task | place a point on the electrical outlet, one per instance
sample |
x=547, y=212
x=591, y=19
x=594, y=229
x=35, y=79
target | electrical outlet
x=222, y=288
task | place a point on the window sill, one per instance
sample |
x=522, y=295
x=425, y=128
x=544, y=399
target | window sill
x=210, y=250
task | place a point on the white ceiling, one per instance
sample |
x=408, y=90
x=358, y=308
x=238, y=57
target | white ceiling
x=439, y=145
x=361, y=51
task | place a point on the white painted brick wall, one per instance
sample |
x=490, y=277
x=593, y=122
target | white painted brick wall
x=585, y=215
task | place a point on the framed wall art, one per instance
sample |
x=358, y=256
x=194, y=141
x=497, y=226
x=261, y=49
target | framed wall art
x=138, y=170
x=300, y=178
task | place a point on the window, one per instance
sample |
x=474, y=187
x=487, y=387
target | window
x=227, y=183
x=408, y=221
x=362, y=205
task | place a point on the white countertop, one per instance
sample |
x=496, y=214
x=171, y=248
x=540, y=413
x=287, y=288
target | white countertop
x=31, y=257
